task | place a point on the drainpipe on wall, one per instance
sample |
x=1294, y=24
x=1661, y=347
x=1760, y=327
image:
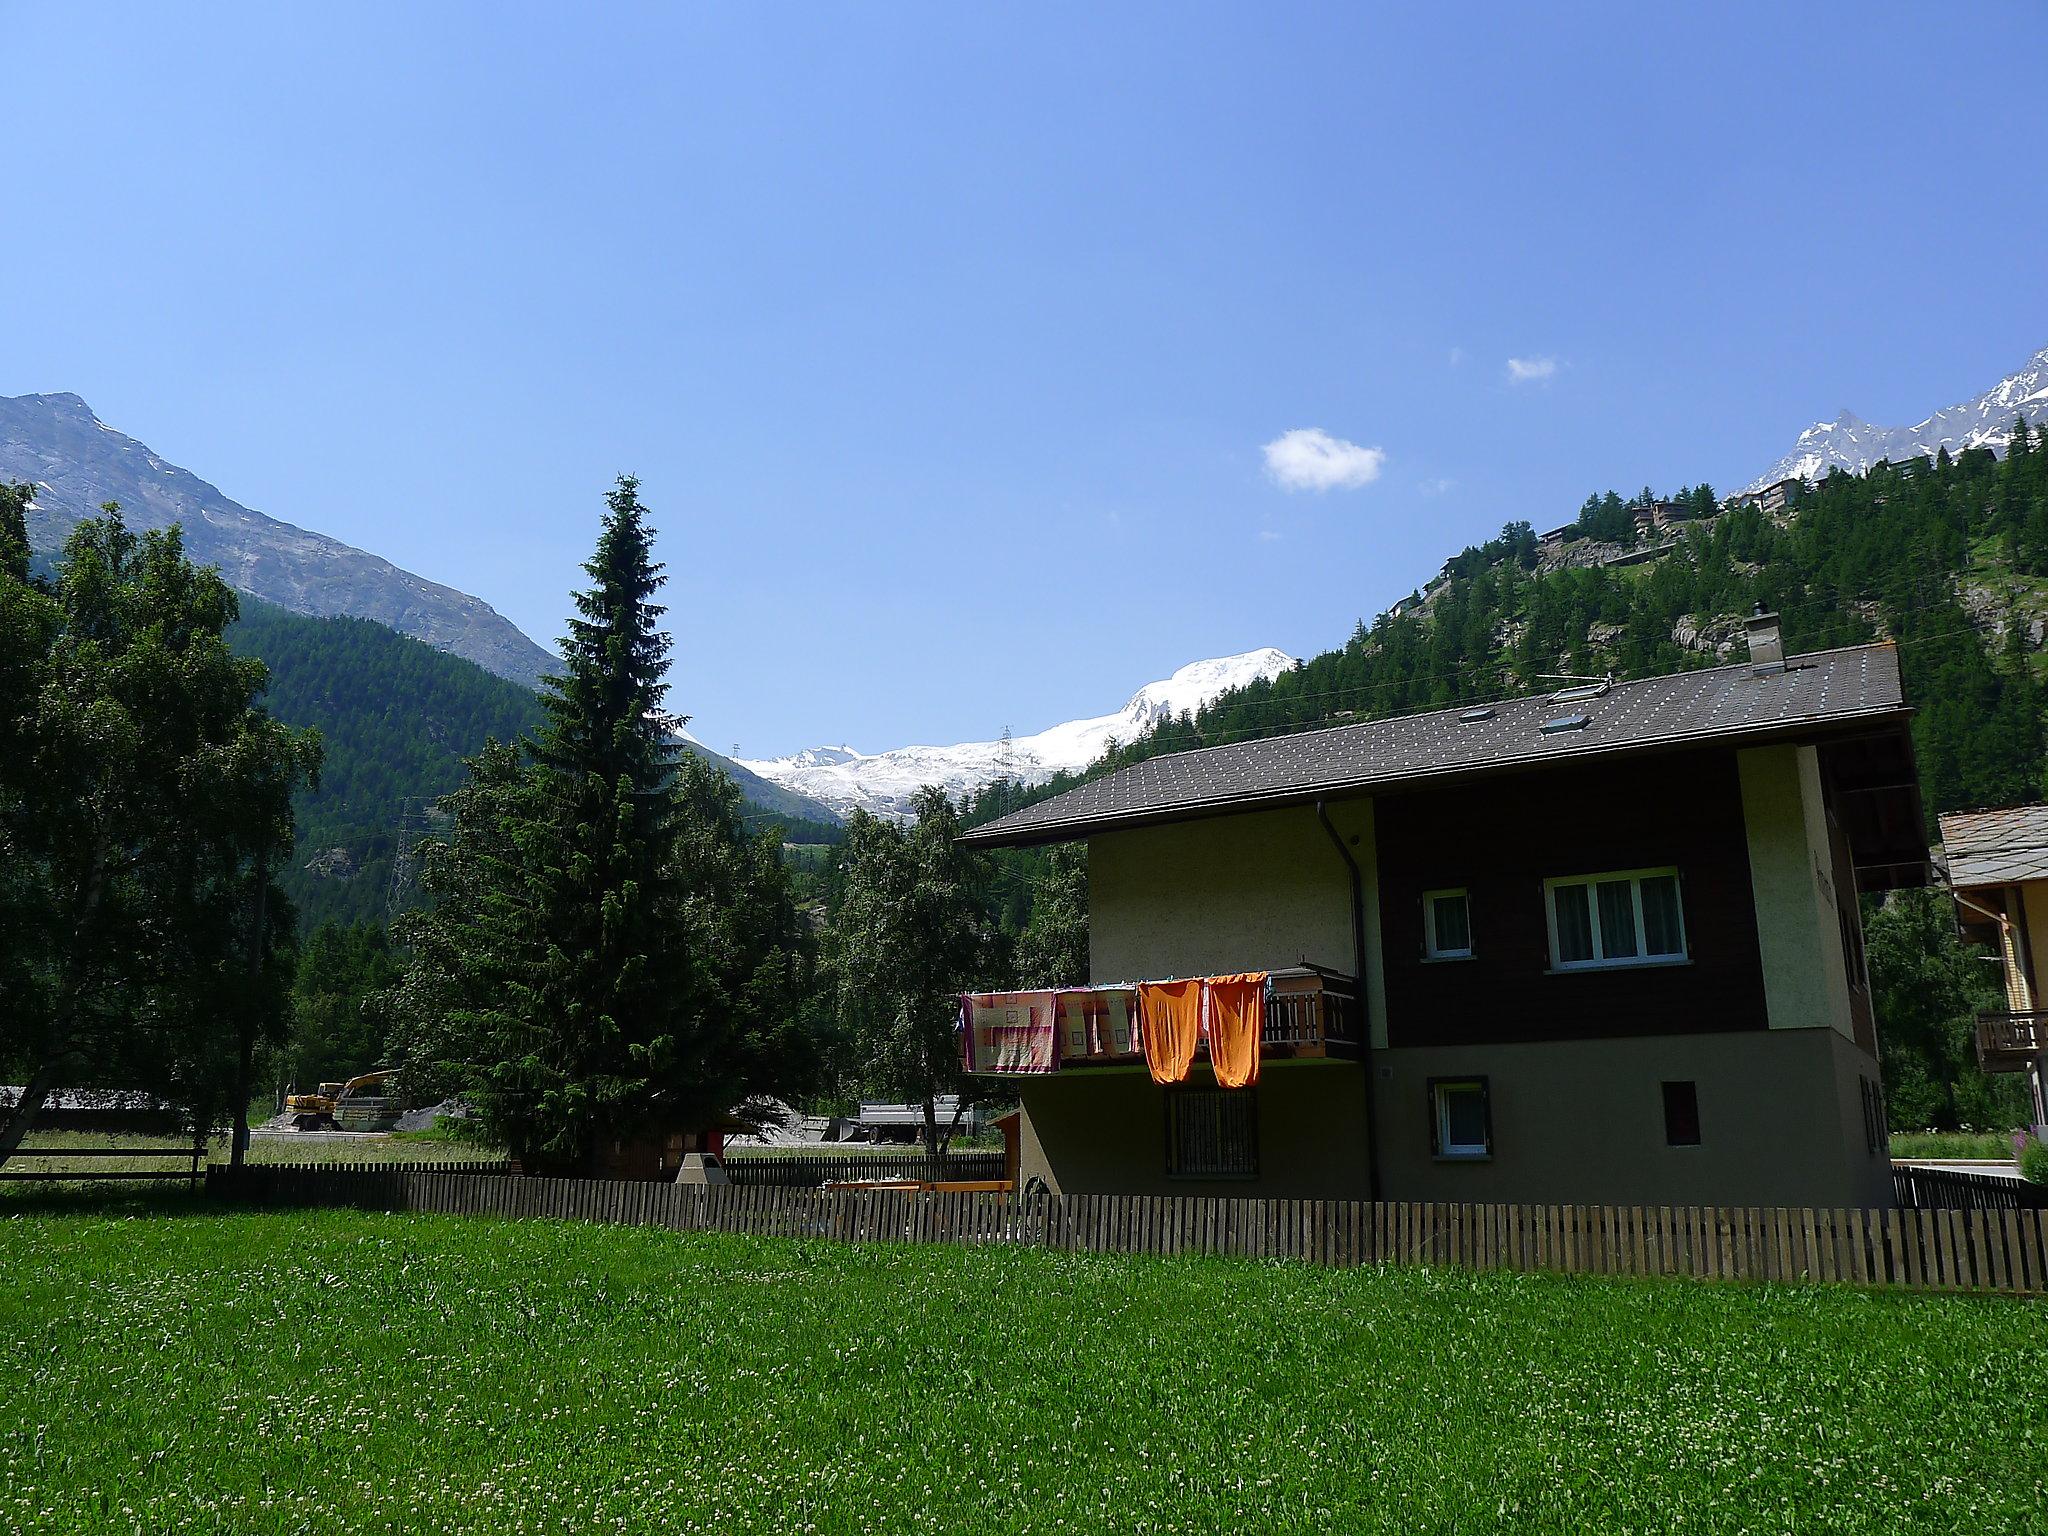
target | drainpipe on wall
x=1372, y=1119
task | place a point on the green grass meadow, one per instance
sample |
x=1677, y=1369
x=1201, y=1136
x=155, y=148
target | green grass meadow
x=1992, y=1145
x=174, y=1366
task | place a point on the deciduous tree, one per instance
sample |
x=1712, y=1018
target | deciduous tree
x=144, y=799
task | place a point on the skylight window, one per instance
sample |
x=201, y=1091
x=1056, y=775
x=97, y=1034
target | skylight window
x=1594, y=688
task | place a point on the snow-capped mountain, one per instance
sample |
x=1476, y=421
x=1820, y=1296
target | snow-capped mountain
x=1855, y=444
x=883, y=782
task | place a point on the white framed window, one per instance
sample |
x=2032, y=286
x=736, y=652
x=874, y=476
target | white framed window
x=1460, y=1119
x=1447, y=924
x=1627, y=917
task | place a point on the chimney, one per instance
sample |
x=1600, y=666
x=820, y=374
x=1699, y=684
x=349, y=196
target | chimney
x=1766, y=643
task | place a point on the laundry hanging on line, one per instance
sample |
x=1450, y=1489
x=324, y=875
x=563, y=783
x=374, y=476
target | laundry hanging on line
x=1008, y=1034
x=1021, y=1034
x=1098, y=1021
x=1234, y=1009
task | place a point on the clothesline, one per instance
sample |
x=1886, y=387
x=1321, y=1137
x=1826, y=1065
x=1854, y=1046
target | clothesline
x=1023, y=1034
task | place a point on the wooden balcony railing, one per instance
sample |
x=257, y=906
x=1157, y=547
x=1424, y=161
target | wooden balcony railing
x=2011, y=1042
x=1312, y=1012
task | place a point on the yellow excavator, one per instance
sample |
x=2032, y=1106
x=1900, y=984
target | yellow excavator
x=351, y=1106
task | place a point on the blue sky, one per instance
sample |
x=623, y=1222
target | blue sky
x=947, y=339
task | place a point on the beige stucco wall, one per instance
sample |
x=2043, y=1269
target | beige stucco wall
x=1259, y=891
x=2033, y=907
x=1580, y=1121
x=1781, y=1122
x=1103, y=1131
x=1806, y=982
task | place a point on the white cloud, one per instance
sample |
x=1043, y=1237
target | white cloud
x=1309, y=459
x=1457, y=356
x=1268, y=536
x=1437, y=486
x=1531, y=370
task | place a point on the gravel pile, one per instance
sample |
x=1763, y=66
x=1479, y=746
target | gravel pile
x=424, y=1119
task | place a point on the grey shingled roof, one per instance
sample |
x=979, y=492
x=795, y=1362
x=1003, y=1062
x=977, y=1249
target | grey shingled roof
x=1815, y=693
x=1996, y=847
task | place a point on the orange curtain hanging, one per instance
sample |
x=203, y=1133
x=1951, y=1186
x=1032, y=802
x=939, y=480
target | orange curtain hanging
x=1170, y=1020
x=1237, y=1023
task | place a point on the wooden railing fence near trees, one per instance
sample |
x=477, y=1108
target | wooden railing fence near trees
x=1950, y=1250
x=809, y=1170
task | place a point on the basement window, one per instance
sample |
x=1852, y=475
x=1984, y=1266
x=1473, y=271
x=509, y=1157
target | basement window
x=1460, y=1119
x=1447, y=925
x=1212, y=1133
x=1681, y=1114
x=1629, y=917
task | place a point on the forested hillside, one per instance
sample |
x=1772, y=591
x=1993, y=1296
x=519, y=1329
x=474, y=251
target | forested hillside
x=1947, y=558
x=397, y=717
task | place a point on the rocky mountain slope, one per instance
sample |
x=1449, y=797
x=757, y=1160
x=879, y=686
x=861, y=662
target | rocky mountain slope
x=1985, y=421
x=884, y=782
x=76, y=461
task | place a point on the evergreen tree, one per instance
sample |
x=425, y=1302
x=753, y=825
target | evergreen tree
x=1052, y=951
x=14, y=500
x=337, y=1031
x=1927, y=986
x=607, y=956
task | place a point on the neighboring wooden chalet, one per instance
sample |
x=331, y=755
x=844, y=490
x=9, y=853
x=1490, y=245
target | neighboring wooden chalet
x=1769, y=499
x=1598, y=946
x=1998, y=870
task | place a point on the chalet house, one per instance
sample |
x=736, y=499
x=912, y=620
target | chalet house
x=1998, y=870
x=1595, y=946
x=1775, y=498
x=1770, y=499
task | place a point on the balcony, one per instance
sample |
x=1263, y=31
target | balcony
x=2011, y=1042
x=1311, y=1014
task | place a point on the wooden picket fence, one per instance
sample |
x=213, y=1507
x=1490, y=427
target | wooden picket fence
x=809, y=1171
x=1969, y=1250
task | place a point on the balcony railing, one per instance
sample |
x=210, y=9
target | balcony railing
x=1310, y=1013
x=2011, y=1042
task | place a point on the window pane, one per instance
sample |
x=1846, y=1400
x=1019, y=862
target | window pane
x=1574, y=923
x=1465, y=1120
x=1661, y=932
x=1617, y=919
x=1453, y=929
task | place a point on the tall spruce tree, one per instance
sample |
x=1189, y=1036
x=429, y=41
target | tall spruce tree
x=606, y=955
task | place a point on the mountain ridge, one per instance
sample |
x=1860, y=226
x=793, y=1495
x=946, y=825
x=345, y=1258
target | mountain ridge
x=1983, y=421
x=75, y=462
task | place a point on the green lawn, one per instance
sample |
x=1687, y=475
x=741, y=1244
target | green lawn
x=1984, y=1144
x=173, y=1366
x=436, y=1146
